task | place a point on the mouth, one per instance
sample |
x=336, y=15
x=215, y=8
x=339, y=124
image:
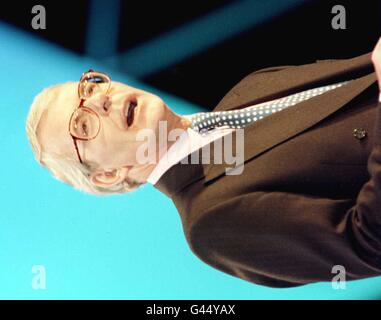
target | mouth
x=129, y=111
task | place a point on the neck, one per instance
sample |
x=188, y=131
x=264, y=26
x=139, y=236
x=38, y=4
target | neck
x=143, y=171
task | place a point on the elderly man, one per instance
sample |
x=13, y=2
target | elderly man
x=306, y=201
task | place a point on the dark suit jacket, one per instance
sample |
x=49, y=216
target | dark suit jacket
x=309, y=197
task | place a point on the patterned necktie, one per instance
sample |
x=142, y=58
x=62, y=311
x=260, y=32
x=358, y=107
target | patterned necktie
x=202, y=122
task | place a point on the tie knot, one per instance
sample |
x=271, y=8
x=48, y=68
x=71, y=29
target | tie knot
x=204, y=121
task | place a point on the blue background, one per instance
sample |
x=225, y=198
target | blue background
x=120, y=247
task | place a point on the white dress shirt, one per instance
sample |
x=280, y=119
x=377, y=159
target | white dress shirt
x=188, y=142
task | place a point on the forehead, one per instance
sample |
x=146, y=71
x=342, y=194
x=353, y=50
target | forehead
x=53, y=131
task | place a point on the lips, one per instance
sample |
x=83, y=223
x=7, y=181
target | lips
x=130, y=112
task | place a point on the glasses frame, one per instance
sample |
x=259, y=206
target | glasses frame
x=81, y=105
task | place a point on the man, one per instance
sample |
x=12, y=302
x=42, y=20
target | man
x=308, y=201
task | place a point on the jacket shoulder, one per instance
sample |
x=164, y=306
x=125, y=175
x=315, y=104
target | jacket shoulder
x=249, y=77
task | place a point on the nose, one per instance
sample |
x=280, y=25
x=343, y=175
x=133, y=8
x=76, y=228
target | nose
x=100, y=103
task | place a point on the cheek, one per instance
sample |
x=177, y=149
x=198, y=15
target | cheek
x=120, y=148
x=107, y=147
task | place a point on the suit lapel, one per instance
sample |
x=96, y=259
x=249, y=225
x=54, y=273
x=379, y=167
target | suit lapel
x=273, y=130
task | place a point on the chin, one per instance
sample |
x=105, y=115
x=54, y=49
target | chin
x=161, y=112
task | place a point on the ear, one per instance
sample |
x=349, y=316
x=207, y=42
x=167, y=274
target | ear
x=108, y=178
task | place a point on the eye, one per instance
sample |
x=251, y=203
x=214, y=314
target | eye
x=89, y=89
x=85, y=129
x=85, y=125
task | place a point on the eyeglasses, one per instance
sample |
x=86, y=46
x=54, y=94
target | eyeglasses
x=84, y=122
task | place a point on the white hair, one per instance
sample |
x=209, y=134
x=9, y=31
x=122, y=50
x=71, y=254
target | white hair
x=63, y=168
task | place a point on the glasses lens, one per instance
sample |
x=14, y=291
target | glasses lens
x=92, y=83
x=84, y=124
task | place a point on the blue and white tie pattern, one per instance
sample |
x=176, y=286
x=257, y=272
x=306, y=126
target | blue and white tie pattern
x=202, y=122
